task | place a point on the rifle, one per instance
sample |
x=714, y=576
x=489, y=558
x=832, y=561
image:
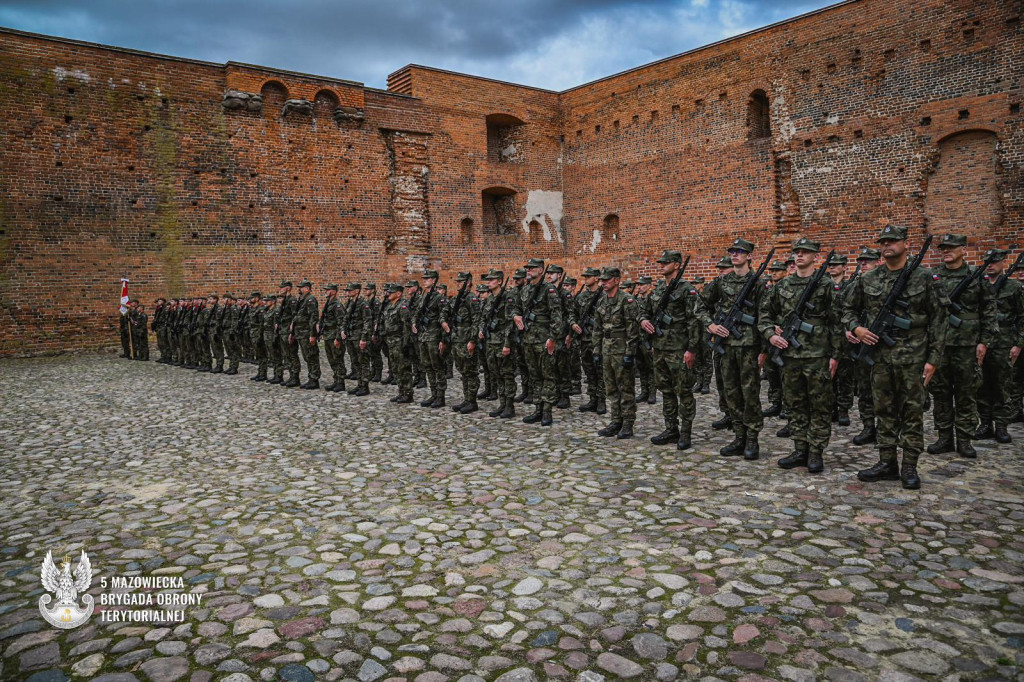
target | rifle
x=660, y=316
x=886, y=320
x=455, y=309
x=421, y=317
x=1008, y=273
x=379, y=318
x=528, y=314
x=587, y=319
x=735, y=315
x=795, y=322
x=954, y=296
x=490, y=324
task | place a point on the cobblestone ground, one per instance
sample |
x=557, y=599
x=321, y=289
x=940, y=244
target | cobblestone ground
x=335, y=537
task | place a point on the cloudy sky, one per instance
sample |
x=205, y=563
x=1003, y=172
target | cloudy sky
x=547, y=43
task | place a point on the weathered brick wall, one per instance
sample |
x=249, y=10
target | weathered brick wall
x=117, y=162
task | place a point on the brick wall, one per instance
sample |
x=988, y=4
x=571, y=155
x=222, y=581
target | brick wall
x=118, y=162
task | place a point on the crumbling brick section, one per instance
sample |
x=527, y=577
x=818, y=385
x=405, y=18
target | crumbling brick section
x=409, y=178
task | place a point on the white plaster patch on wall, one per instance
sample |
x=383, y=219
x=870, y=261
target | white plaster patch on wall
x=60, y=73
x=596, y=241
x=544, y=206
x=782, y=124
x=832, y=119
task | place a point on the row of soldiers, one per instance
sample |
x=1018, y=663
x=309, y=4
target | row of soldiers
x=539, y=329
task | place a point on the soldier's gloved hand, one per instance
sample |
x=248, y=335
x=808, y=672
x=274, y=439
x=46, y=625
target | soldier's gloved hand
x=627, y=361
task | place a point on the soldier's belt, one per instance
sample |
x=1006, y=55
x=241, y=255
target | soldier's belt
x=615, y=334
x=968, y=316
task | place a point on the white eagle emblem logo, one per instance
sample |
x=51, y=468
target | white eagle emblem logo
x=66, y=613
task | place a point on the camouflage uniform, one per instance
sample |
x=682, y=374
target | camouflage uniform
x=289, y=349
x=515, y=293
x=160, y=314
x=140, y=334
x=232, y=336
x=563, y=355
x=496, y=328
x=330, y=331
x=616, y=341
x=954, y=388
x=374, y=348
x=586, y=304
x=307, y=315
x=270, y=341
x=126, y=337
x=540, y=307
x=215, y=337
x=996, y=390
x=463, y=319
x=254, y=330
x=412, y=300
x=358, y=331
x=396, y=331
x=896, y=374
x=806, y=379
x=862, y=372
x=427, y=316
x=200, y=337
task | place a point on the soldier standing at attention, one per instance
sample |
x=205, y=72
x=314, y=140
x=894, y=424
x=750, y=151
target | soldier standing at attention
x=675, y=317
x=412, y=299
x=496, y=339
x=741, y=371
x=809, y=368
x=215, y=336
x=396, y=330
x=490, y=383
x=202, y=333
x=459, y=322
x=586, y=304
x=140, y=331
x=303, y=332
x=329, y=327
x=518, y=352
x=845, y=377
x=126, y=333
x=616, y=339
x=970, y=332
x=230, y=330
x=772, y=371
x=901, y=372
x=644, y=358
x=724, y=267
x=575, y=371
x=554, y=275
x=270, y=342
x=374, y=348
x=289, y=349
x=255, y=330
x=537, y=314
x=703, y=367
x=867, y=260
x=426, y=327
x=160, y=313
x=994, y=395
x=351, y=329
x=359, y=322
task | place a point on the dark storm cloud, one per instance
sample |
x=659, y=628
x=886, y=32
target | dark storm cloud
x=554, y=44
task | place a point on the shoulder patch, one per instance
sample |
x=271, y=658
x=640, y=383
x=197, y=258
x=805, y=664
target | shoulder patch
x=629, y=300
x=836, y=287
x=935, y=277
x=551, y=291
x=693, y=292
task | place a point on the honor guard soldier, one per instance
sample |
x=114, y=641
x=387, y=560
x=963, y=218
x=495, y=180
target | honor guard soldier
x=270, y=341
x=461, y=325
x=307, y=315
x=230, y=333
x=644, y=359
x=396, y=331
x=537, y=315
x=867, y=260
x=901, y=371
x=844, y=381
x=724, y=266
x=257, y=306
x=426, y=328
x=616, y=339
x=286, y=306
x=496, y=340
x=995, y=394
x=772, y=372
x=583, y=329
x=329, y=329
x=673, y=316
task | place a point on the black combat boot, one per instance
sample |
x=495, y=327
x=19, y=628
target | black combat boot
x=259, y=377
x=528, y=399
x=985, y=431
x=784, y=432
x=684, y=442
x=844, y=418
x=496, y=412
x=457, y=407
x=362, y=389
x=577, y=389
x=670, y=434
x=964, y=447
x=563, y=403
x=376, y=375
x=523, y=394
x=217, y=370
x=202, y=368
x=311, y=384
x=484, y=392
x=589, y=406
x=610, y=430
x=339, y=386
x=735, y=447
x=626, y=431
x=231, y=371
x=492, y=394
x=421, y=382
x=438, y=400
x=394, y=399
x=705, y=389
x=351, y=374
x=645, y=393
x=276, y=380
x=469, y=408
x=1001, y=435
x=869, y=434
x=798, y=458
x=782, y=415
x=943, y=444
x=404, y=398
x=330, y=387
x=389, y=379
x=884, y=470
x=538, y=412
x=429, y=401
x=546, y=419
x=909, y=476
x=723, y=423
x=772, y=411
x=292, y=382
x=510, y=409
x=752, y=450
x=601, y=407
x=815, y=463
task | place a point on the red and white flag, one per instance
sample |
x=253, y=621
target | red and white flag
x=124, y=295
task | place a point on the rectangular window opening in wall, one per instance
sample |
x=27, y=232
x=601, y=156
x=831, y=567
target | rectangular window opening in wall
x=963, y=114
x=675, y=110
x=858, y=133
x=925, y=45
x=654, y=116
x=723, y=96
x=506, y=139
x=926, y=121
x=499, y=211
x=615, y=125
x=969, y=34
x=579, y=133
x=889, y=55
x=636, y=118
x=1015, y=108
x=597, y=129
x=831, y=68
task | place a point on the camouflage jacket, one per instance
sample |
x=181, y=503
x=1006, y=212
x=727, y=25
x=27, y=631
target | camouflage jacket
x=427, y=316
x=541, y=309
x=254, y=324
x=307, y=314
x=1009, y=313
x=584, y=312
x=396, y=324
x=617, y=325
x=331, y=319
x=463, y=317
x=270, y=325
x=683, y=320
x=719, y=297
x=285, y=313
x=924, y=341
x=823, y=313
x=213, y=322
x=231, y=319
x=979, y=323
x=495, y=320
x=201, y=320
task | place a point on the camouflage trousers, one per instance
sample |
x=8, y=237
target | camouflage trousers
x=563, y=385
x=358, y=360
x=311, y=354
x=1017, y=389
x=433, y=365
x=126, y=341
x=741, y=378
x=519, y=360
x=901, y=424
x=703, y=366
x=400, y=366
x=503, y=371
x=140, y=345
x=289, y=356
x=675, y=381
x=775, y=389
x=202, y=350
x=575, y=370
x=260, y=355
x=163, y=344
x=469, y=370
x=542, y=372
x=844, y=384
x=954, y=390
x=645, y=370
x=217, y=350
x=273, y=349
x=335, y=355
x=807, y=392
x=716, y=363
x=619, y=388
x=233, y=349
x=592, y=370
x=995, y=394
x=865, y=398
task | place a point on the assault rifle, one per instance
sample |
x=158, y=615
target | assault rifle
x=661, y=319
x=456, y=317
x=795, y=322
x=528, y=314
x=1008, y=273
x=886, y=320
x=736, y=316
x=954, y=306
x=491, y=323
x=421, y=318
x=587, y=319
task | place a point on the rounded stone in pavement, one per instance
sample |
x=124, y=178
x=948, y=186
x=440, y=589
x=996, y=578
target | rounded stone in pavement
x=617, y=665
x=294, y=672
x=166, y=669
